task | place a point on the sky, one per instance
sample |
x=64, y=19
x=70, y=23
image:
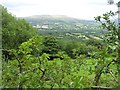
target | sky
x=81, y=9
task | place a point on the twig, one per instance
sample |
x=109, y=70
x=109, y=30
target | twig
x=113, y=76
x=101, y=88
x=97, y=76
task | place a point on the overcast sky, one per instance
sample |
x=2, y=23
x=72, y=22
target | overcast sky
x=82, y=9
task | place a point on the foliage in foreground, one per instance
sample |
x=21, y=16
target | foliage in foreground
x=14, y=31
x=31, y=67
x=27, y=70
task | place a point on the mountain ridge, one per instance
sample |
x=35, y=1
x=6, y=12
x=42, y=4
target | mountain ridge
x=51, y=16
x=37, y=19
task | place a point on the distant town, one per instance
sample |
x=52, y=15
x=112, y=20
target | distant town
x=41, y=26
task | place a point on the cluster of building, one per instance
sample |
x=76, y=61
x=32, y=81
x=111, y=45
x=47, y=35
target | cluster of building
x=41, y=26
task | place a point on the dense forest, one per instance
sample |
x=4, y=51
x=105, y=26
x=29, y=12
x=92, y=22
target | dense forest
x=61, y=56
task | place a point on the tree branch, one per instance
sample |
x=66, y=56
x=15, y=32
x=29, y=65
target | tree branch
x=113, y=76
x=97, y=76
x=101, y=88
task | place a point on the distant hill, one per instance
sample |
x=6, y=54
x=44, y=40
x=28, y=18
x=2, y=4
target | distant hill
x=60, y=25
x=46, y=19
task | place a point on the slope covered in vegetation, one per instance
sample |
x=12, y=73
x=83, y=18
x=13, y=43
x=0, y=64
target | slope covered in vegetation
x=35, y=61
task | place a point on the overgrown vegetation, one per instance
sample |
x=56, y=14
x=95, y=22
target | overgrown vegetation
x=34, y=61
x=14, y=31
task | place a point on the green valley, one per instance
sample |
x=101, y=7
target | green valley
x=56, y=51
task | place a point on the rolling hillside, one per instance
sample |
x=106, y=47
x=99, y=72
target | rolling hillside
x=48, y=19
x=60, y=25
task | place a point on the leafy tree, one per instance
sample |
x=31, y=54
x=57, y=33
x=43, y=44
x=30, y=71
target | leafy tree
x=113, y=42
x=71, y=49
x=29, y=71
x=95, y=42
x=20, y=69
x=14, y=31
x=50, y=45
